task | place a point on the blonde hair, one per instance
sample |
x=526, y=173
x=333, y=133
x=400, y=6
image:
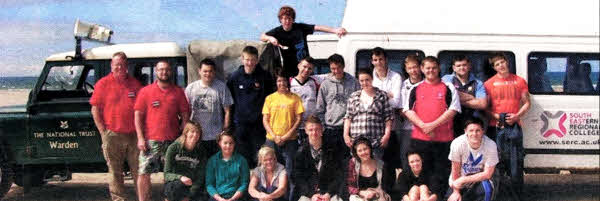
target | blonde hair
x=263, y=152
x=189, y=126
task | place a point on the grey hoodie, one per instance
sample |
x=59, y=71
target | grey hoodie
x=332, y=98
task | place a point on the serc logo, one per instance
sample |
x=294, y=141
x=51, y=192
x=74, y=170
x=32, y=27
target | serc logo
x=554, y=120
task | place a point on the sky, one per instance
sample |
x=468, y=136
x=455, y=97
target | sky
x=34, y=29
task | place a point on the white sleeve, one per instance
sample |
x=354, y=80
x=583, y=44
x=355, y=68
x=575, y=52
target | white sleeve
x=455, y=103
x=454, y=154
x=405, y=102
x=491, y=154
x=396, y=101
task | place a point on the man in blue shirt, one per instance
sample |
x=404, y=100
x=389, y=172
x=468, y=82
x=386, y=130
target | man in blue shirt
x=470, y=90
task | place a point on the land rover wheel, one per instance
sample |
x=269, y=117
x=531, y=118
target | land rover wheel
x=35, y=178
x=6, y=180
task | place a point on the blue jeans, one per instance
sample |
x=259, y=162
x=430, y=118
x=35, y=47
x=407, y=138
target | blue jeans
x=286, y=152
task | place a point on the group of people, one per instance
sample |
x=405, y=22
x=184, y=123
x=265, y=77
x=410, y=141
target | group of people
x=308, y=137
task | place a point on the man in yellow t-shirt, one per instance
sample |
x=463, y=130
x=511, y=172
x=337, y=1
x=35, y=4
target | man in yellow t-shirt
x=282, y=113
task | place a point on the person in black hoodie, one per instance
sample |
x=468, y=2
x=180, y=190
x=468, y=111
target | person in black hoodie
x=249, y=85
x=317, y=171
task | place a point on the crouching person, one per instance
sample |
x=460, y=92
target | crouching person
x=474, y=157
x=367, y=178
x=417, y=184
x=268, y=180
x=185, y=166
x=317, y=169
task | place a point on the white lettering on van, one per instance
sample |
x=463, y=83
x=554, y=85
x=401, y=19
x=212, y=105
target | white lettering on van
x=63, y=145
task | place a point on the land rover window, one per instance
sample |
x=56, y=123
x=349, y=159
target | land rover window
x=146, y=75
x=63, y=78
x=90, y=82
x=180, y=76
x=563, y=73
x=395, y=59
x=480, y=66
x=67, y=82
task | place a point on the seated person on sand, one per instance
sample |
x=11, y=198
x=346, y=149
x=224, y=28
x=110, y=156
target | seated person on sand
x=416, y=184
x=268, y=181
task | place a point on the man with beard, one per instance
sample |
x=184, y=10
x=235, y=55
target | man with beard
x=158, y=111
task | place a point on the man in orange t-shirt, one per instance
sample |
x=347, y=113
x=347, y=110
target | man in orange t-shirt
x=507, y=93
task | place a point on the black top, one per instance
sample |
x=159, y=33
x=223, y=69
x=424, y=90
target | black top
x=295, y=40
x=249, y=92
x=310, y=181
x=407, y=179
x=367, y=182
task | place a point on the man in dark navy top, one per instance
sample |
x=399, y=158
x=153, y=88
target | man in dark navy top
x=249, y=85
x=293, y=36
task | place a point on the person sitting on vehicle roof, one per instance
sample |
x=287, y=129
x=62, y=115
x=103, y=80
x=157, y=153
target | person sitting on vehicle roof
x=292, y=36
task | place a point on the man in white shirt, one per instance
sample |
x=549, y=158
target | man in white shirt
x=391, y=82
x=474, y=157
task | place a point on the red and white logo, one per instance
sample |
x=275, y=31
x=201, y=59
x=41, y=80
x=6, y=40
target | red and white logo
x=554, y=124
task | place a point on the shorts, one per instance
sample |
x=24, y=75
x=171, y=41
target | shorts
x=153, y=159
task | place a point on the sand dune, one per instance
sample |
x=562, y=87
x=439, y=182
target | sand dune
x=13, y=96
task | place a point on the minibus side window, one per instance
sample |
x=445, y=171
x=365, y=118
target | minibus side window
x=395, y=59
x=563, y=73
x=321, y=66
x=480, y=66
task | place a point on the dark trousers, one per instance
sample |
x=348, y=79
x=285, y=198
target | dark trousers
x=175, y=191
x=211, y=147
x=435, y=158
x=478, y=191
x=406, y=136
x=249, y=138
x=335, y=136
x=393, y=152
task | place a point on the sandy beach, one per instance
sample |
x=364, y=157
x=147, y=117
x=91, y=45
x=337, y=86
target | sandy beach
x=13, y=97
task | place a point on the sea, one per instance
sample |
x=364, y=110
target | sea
x=556, y=78
x=17, y=82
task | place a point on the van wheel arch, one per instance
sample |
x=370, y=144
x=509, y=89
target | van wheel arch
x=7, y=177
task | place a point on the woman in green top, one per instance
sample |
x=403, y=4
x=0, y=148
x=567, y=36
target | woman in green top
x=184, y=166
x=227, y=171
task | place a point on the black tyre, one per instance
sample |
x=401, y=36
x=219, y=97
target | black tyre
x=36, y=179
x=6, y=180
